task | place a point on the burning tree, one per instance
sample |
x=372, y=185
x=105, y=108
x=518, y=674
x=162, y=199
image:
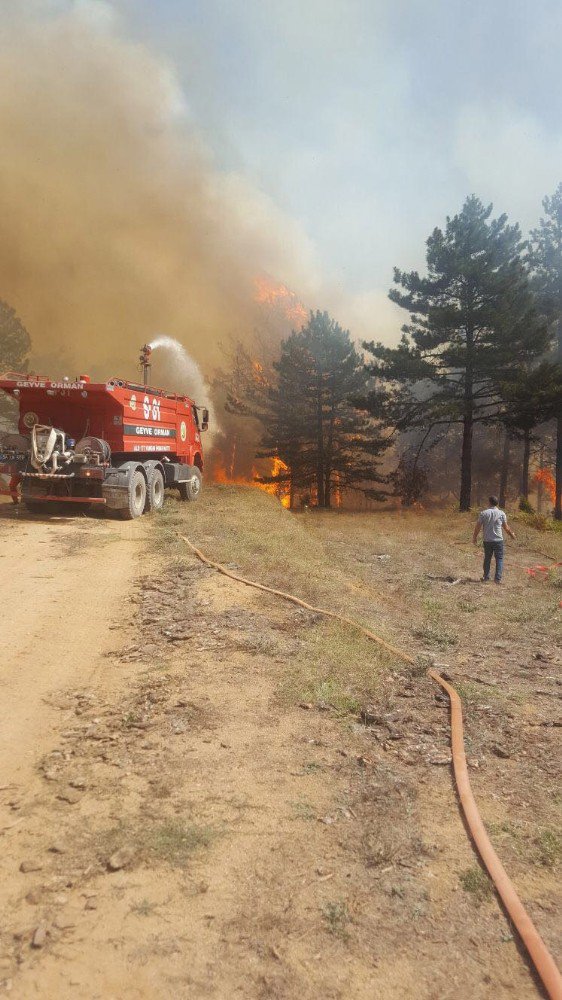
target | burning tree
x=531, y=398
x=545, y=258
x=324, y=442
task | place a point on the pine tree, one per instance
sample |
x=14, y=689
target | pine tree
x=545, y=258
x=531, y=397
x=473, y=318
x=310, y=421
x=285, y=414
x=15, y=344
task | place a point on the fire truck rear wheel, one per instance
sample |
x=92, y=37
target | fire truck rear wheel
x=191, y=489
x=136, y=496
x=155, y=490
x=35, y=506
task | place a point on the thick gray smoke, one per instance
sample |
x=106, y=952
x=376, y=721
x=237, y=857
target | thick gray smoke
x=114, y=221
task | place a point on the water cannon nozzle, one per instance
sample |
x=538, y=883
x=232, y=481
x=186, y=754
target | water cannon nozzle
x=144, y=359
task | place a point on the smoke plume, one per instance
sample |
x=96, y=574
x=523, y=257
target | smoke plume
x=114, y=221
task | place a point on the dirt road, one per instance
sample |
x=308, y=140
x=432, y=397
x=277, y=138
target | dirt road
x=57, y=597
x=216, y=795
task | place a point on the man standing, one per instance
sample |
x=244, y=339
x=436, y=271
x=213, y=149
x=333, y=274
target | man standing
x=492, y=520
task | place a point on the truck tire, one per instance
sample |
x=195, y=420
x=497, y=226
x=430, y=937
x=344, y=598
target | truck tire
x=191, y=489
x=155, y=490
x=136, y=496
x=36, y=506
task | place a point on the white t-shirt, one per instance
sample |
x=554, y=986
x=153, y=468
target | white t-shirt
x=492, y=520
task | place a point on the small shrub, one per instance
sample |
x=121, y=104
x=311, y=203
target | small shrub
x=144, y=908
x=476, y=882
x=540, y=522
x=175, y=841
x=549, y=848
x=302, y=810
x=337, y=917
x=436, y=635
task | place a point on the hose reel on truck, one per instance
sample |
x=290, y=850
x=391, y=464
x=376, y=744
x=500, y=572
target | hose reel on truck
x=133, y=441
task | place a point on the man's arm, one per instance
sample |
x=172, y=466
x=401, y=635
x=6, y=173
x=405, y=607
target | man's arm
x=476, y=531
x=509, y=531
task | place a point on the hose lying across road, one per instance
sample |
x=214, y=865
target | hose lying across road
x=538, y=952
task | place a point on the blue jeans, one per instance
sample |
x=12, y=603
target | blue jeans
x=493, y=549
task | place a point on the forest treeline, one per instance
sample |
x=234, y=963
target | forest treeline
x=472, y=391
x=469, y=400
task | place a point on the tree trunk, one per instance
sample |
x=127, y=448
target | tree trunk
x=524, y=485
x=328, y=458
x=466, y=462
x=320, y=495
x=504, y=471
x=539, y=484
x=468, y=427
x=558, y=496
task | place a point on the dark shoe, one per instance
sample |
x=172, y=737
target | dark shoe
x=484, y=579
x=498, y=582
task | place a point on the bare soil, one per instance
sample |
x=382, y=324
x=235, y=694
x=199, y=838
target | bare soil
x=207, y=792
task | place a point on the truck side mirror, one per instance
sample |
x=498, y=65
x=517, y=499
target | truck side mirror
x=205, y=421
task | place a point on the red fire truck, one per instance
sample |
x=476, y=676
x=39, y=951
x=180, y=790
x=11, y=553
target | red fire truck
x=114, y=444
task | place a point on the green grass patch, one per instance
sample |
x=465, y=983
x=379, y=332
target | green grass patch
x=475, y=881
x=171, y=841
x=548, y=847
x=174, y=841
x=336, y=667
x=301, y=809
x=144, y=909
x=337, y=918
x=437, y=635
x=539, y=522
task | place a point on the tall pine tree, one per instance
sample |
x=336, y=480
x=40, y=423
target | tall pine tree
x=15, y=344
x=309, y=419
x=530, y=397
x=473, y=318
x=545, y=257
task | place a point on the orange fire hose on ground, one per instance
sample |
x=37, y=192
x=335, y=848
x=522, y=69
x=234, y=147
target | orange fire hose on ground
x=538, y=952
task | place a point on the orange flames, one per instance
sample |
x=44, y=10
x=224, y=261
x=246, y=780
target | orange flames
x=545, y=477
x=281, y=298
x=284, y=304
x=280, y=490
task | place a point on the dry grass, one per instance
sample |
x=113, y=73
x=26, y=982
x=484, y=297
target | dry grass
x=333, y=560
x=336, y=667
x=548, y=845
x=92, y=534
x=174, y=841
x=248, y=531
x=170, y=841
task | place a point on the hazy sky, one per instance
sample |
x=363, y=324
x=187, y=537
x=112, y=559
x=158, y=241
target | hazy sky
x=368, y=121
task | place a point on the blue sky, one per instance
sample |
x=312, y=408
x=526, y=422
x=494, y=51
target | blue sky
x=369, y=120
